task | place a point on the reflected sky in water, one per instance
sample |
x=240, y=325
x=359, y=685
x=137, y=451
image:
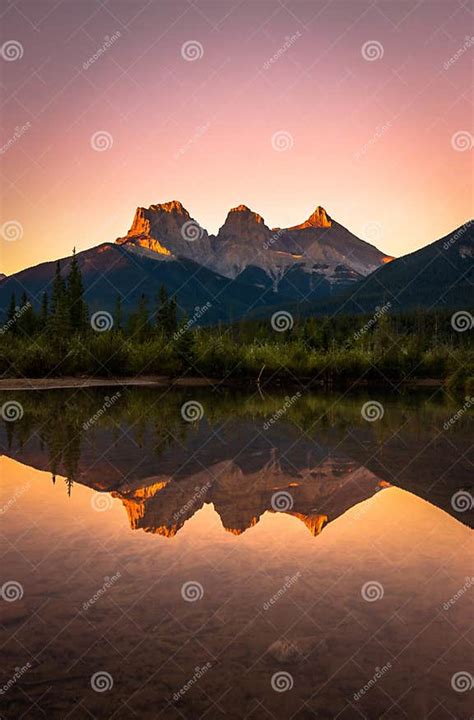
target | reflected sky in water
x=105, y=589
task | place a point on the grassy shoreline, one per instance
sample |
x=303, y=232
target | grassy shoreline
x=414, y=350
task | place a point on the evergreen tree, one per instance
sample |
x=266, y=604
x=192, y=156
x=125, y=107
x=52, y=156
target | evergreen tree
x=172, y=316
x=43, y=318
x=59, y=319
x=75, y=300
x=59, y=289
x=162, y=309
x=167, y=313
x=139, y=323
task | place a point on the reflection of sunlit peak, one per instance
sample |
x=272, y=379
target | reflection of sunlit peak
x=314, y=523
x=134, y=502
x=135, y=511
x=164, y=530
x=145, y=492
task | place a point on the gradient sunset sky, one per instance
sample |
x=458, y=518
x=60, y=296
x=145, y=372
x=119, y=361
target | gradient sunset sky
x=362, y=107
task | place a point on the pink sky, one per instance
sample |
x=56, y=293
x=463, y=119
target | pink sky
x=381, y=143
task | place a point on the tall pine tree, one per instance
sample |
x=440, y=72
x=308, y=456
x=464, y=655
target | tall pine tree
x=44, y=311
x=59, y=320
x=75, y=297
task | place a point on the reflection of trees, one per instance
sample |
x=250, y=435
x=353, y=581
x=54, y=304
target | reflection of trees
x=60, y=421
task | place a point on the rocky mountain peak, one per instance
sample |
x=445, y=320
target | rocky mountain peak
x=174, y=206
x=243, y=211
x=245, y=241
x=242, y=222
x=319, y=218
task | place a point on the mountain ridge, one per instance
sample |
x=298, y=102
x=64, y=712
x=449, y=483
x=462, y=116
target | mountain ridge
x=317, y=246
x=218, y=271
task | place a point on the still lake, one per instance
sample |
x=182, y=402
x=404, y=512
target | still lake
x=207, y=553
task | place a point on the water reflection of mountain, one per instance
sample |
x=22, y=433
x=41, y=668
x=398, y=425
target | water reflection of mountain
x=315, y=495
x=163, y=469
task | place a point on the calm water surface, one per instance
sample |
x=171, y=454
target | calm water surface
x=316, y=566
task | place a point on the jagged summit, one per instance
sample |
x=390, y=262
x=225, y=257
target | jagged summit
x=243, y=209
x=316, y=248
x=318, y=219
x=241, y=219
x=240, y=208
x=173, y=206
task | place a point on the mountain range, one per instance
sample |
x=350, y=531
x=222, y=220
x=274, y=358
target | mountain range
x=323, y=475
x=250, y=269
